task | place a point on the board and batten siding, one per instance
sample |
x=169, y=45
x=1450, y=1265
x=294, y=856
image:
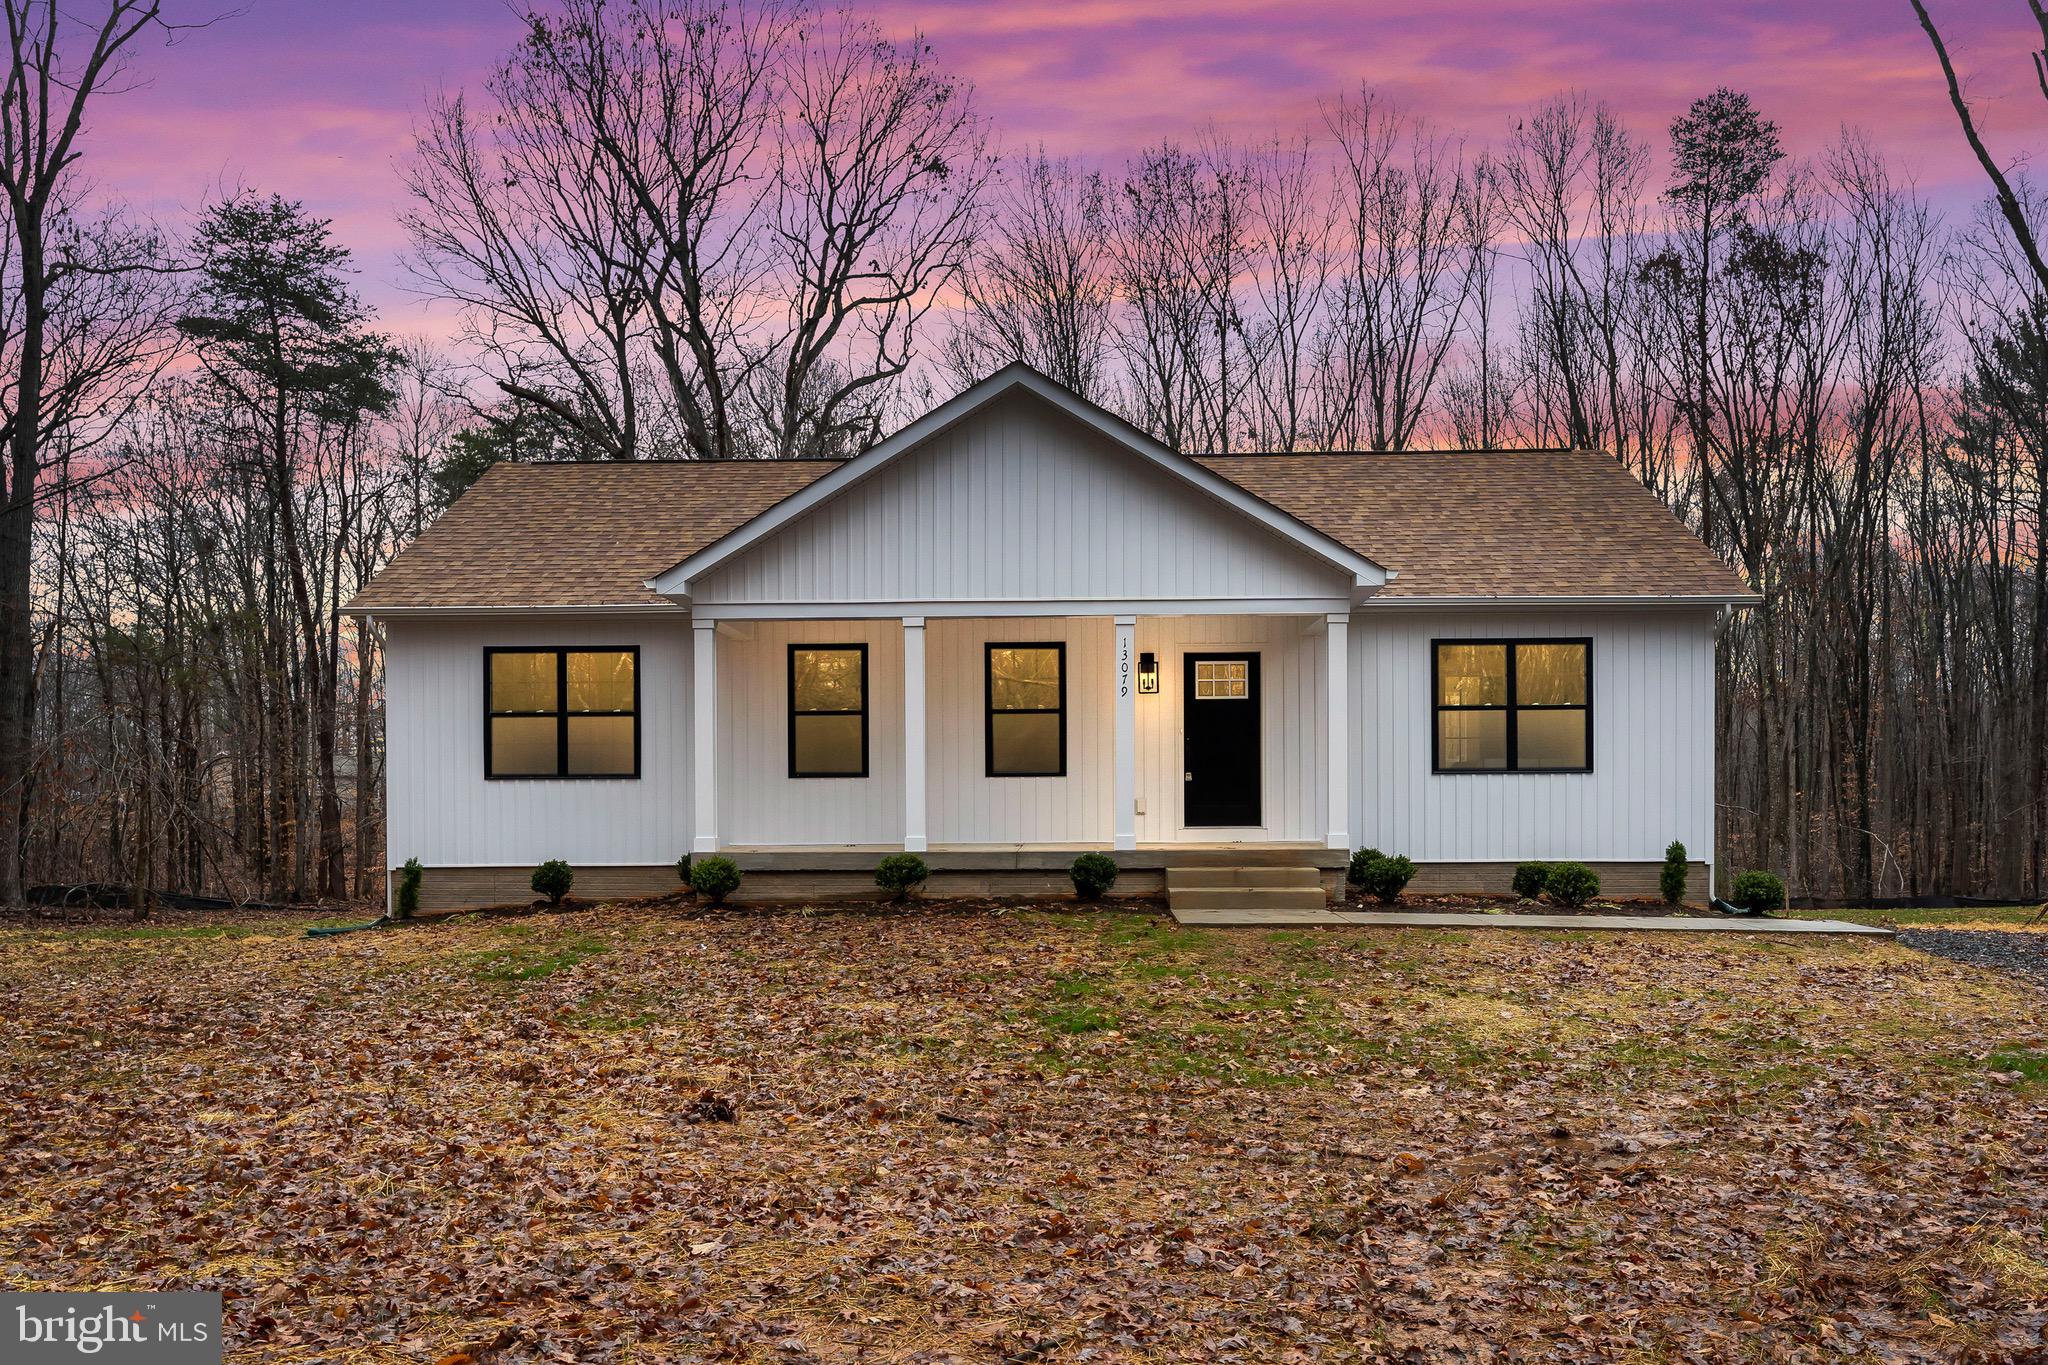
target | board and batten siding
x=1019, y=503
x=1293, y=756
x=1653, y=743
x=760, y=803
x=444, y=812
x=1652, y=735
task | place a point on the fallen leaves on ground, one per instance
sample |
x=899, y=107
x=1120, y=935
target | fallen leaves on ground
x=1020, y=1135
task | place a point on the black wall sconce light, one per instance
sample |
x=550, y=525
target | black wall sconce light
x=1148, y=672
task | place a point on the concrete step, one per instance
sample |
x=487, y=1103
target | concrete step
x=1247, y=898
x=1178, y=878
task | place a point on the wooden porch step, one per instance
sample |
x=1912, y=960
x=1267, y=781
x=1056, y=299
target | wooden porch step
x=1193, y=878
x=1246, y=898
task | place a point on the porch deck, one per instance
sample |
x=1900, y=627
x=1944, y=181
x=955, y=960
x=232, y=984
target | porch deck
x=1033, y=857
x=783, y=872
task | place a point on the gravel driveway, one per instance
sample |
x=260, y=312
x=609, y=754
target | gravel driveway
x=2023, y=955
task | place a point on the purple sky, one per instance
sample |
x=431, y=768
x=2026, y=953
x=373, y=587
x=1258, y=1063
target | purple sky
x=315, y=98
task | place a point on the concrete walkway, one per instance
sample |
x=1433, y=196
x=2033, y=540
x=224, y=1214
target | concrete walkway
x=1403, y=919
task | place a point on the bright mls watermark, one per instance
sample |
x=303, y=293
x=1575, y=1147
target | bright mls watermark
x=121, y=1329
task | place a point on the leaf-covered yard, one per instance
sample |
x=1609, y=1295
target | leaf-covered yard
x=1028, y=1136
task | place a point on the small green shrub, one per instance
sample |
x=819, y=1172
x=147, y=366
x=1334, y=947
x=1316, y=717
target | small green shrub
x=1759, y=891
x=683, y=869
x=409, y=888
x=1671, y=881
x=1360, y=861
x=1572, y=884
x=900, y=874
x=1093, y=874
x=553, y=880
x=714, y=878
x=1385, y=878
x=1531, y=879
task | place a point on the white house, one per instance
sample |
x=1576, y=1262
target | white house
x=1020, y=628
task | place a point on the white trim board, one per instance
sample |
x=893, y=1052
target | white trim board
x=997, y=607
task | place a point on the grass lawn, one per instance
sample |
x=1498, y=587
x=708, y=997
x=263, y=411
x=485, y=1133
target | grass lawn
x=1967, y=917
x=1028, y=1136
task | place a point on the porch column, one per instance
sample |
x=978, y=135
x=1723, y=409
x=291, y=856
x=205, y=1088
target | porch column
x=913, y=735
x=704, y=735
x=1124, y=791
x=1337, y=704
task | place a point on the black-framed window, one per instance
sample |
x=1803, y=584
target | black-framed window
x=1027, y=709
x=1512, y=706
x=828, y=710
x=562, y=713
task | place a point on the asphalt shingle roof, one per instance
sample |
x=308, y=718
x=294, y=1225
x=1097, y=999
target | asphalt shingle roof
x=1504, y=524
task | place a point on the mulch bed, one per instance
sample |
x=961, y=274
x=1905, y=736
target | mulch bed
x=2021, y=955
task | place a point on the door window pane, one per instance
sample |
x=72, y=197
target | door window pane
x=523, y=746
x=828, y=746
x=1222, y=679
x=601, y=681
x=1472, y=741
x=523, y=682
x=1550, y=675
x=1550, y=739
x=601, y=746
x=1024, y=744
x=1471, y=675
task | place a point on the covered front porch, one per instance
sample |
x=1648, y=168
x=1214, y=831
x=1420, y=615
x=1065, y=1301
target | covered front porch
x=1188, y=734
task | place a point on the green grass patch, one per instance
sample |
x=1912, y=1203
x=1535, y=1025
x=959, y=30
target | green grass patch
x=534, y=961
x=1927, y=919
x=2032, y=1066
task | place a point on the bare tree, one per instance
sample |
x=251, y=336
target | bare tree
x=56, y=63
x=881, y=167
x=1407, y=276
x=1291, y=224
x=1038, y=288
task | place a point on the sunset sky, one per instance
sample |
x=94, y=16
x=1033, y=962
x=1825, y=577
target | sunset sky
x=316, y=98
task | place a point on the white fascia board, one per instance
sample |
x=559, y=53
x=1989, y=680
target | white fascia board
x=1377, y=603
x=1000, y=606
x=525, y=609
x=675, y=582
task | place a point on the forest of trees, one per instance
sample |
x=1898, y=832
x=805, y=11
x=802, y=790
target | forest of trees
x=680, y=229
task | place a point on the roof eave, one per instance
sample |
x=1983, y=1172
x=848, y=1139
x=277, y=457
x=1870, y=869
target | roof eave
x=1711, y=599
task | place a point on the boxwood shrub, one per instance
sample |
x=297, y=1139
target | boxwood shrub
x=1361, y=860
x=714, y=878
x=553, y=879
x=1386, y=877
x=1093, y=874
x=1572, y=884
x=900, y=874
x=1531, y=879
x=1759, y=891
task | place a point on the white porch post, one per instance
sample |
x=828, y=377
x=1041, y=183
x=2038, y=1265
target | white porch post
x=1337, y=700
x=1124, y=832
x=913, y=735
x=704, y=747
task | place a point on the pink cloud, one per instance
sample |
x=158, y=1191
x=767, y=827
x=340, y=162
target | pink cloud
x=316, y=101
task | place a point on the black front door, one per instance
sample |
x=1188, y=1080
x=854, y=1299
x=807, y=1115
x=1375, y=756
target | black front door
x=1221, y=723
